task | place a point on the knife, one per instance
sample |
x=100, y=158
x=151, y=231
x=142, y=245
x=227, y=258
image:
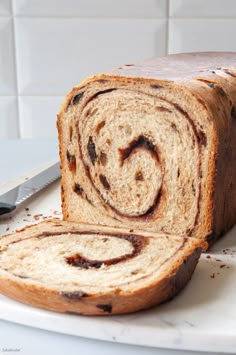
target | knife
x=14, y=197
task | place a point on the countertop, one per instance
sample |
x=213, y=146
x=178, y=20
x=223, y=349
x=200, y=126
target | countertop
x=18, y=158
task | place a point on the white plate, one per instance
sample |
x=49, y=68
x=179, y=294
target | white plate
x=201, y=317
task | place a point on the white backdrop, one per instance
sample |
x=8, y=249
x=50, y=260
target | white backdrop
x=48, y=46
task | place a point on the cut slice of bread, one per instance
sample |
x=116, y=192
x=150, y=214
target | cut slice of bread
x=85, y=269
x=152, y=146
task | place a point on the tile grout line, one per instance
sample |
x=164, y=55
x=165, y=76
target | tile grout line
x=16, y=73
x=87, y=18
x=168, y=27
x=128, y=18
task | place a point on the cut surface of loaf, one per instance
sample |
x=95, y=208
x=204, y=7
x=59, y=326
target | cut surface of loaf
x=68, y=267
x=152, y=146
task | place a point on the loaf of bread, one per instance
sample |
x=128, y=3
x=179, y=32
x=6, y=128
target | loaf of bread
x=152, y=146
x=85, y=269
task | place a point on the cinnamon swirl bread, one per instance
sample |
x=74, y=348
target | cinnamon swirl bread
x=69, y=267
x=152, y=146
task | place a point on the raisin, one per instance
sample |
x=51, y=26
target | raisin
x=211, y=85
x=202, y=139
x=76, y=99
x=78, y=189
x=104, y=181
x=71, y=160
x=139, y=176
x=221, y=91
x=210, y=237
x=73, y=295
x=233, y=113
x=105, y=307
x=92, y=150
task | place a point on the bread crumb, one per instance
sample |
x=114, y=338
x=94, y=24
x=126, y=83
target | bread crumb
x=38, y=216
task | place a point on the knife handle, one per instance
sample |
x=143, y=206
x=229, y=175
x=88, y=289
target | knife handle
x=6, y=208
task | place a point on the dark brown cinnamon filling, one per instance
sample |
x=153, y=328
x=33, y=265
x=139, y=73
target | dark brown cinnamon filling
x=100, y=126
x=85, y=263
x=141, y=142
x=101, y=93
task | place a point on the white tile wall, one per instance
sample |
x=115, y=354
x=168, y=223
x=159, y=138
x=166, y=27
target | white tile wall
x=7, y=58
x=8, y=117
x=37, y=116
x=191, y=35
x=202, y=8
x=92, y=8
x=55, y=54
x=48, y=46
x=5, y=7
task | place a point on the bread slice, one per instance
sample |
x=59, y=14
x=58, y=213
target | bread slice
x=85, y=269
x=152, y=146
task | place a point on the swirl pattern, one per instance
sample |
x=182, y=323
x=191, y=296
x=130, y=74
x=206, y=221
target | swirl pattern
x=94, y=270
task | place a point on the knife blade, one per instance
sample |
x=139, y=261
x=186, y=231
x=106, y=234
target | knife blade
x=14, y=197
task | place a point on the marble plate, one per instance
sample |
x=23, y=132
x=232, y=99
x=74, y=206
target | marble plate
x=201, y=318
